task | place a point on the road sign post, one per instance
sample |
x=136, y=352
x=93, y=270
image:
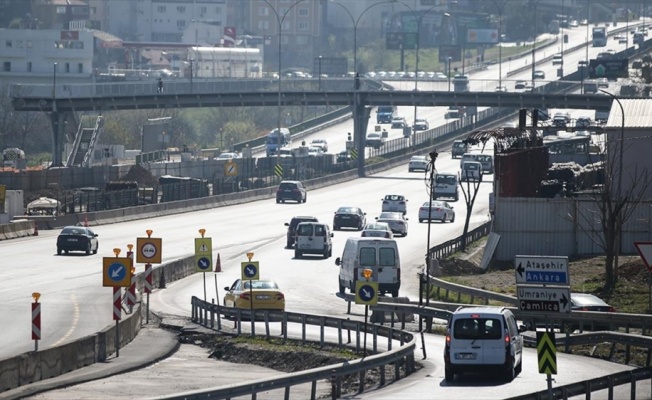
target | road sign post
x=149, y=250
x=366, y=292
x=204, y=255
x=130, y=294
x=117, y=315
x=645, y=252
x=250, y=272
x=36, y=320
x=547, y=356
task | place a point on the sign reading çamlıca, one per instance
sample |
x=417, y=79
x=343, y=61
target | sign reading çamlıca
x=544, y=299
x=547, y=270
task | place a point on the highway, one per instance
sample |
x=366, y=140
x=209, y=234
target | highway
x=74, y=304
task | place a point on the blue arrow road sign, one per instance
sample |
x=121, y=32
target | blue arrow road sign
x=366, y=293
x=250, y=270
x=203, y=263
x=117, y=272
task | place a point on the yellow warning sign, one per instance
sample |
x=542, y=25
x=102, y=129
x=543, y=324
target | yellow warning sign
x=231, y=168
x=547, y=353
x=203, y=245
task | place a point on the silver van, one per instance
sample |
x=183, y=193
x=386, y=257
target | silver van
x=378, y=254
x=313, y=238
x=483, y=339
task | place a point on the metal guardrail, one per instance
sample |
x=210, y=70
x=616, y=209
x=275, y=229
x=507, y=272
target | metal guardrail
x=205, y=314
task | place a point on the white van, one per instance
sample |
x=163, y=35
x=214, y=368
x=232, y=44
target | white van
x=487, y=161
x=313, y=238
x=471, y=171
x=483, y=339
x=378, y=254
x=446, y=186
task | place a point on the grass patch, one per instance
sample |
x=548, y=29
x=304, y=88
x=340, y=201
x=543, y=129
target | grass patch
x=280, y=345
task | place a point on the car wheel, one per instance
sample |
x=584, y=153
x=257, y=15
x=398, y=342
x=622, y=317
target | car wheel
x=405, y=234
x=341, y=287
x=59, y=250
x=330, y=252
x=510, y=372
x=449, y=375
x=410, y=169
x=96, y=248
x=395, y=293
x=305, y=199
x=88, y=249
x=519, y=368
x=456, y=198
x=443, y=220
x=420, y=220
x=288, y=245
x=325, y=254
x=297, y=254
x=278, y=201
x=453, y=219
x=336, y=228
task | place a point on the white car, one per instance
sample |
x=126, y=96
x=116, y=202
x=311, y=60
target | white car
x=321, y=143
x=421, y=124
x=377, y=229
x=418, y=162
x=315, y=151
x=439, y=210
x=228, y=156
x=396, y=221
x=394, y=203
x=398, y=123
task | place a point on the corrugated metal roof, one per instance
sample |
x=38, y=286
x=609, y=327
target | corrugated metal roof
x=638, y=113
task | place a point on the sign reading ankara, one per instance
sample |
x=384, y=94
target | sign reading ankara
x=547, y=270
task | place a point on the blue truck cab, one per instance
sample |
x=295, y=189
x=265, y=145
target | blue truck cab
x=384, y=114
x=275, y=141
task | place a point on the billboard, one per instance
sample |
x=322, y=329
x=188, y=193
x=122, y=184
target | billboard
x=609, y=68
x=482, y=36
x=394, y=40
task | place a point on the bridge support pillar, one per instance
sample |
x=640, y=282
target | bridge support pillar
x=360, y=119
x=58, y=122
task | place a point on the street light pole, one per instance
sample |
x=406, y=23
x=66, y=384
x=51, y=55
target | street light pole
x=320, y=73
x=280, y=32
x=191, y=62
x=534, y=41
x=500, y=40
x=448, y=61
x=54, y=83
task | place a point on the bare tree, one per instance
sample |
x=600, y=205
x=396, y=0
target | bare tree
x=611, y=204
x=470, y=193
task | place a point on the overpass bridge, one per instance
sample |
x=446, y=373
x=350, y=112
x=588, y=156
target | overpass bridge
x=59, y=107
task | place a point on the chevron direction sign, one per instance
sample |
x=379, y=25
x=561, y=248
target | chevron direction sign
x=547, y=353
x=544, y=299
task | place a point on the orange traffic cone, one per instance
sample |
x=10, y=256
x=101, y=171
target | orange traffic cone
x=218, y=264
x=35, y=228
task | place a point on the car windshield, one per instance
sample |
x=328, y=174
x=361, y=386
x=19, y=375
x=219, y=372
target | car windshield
x=288, y=185
x=394, y=197
x=418, y=158
x=260, y=285
x=390, y=215
x=379, y=226
x=73, y=231
x=477, y=328
x=347, y=210
x=459, y=144
x=373, y=135
x=445, y=180
x=434, y=204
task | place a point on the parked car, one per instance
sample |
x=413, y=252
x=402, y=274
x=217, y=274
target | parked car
x=377, y=229
x=375, y=140
x=436, y=210
x=418, y=163
x=228, y=156
x=261, y=294
x=420, y=124
x=398, y=123
x=397, y=222
x=77, y=238
x=321, y=143
x=291, y=190
x=394, y=203
x=349, y=217
x=292, y=228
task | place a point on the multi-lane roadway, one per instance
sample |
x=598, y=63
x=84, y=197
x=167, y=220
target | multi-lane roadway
x=74, y=304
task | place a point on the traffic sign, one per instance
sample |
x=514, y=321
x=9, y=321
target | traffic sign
x=250, y=270
x=609, y=68
x=231, y=168
x=149, y=250
x=366, y=292
x=544, y=299
x=278, y=170
x=116, y=271
x=645, y=251
x=204, y=263
x=547, y=353
x=203, y=245
x=548, y=270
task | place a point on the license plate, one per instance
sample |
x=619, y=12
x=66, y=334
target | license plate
x=263, y=297
x=346, y=217
x=72, y=240
x=465, y=356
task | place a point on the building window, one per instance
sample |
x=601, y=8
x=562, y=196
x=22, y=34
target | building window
x=93, y=10
x=8, y=44
x=203, y=10
x=19, y=44
x=218, y=10
x=303, y=26
x=285, y=26
x=61, y=9
x=181, y=23
x=68, y=68
x=29, y=66
x=302, y=39
x=6, y=66
x=80, y=68
x=263, y=11
x=29, y=44
x=303, y=12
x=181, y=9
x=263, y=25
x=160, y=9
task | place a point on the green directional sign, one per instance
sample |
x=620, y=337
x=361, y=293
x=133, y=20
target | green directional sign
x=608, y=68
x=547, y=353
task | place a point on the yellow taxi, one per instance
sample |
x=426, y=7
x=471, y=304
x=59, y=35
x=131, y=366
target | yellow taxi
x=265, y=293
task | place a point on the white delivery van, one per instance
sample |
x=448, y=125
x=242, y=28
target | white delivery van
x=313, y=238
x=446, y=186
x=471, y=171
x=483, y=339
x=487, y=161
x=378, y=254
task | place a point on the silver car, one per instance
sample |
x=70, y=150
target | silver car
x=418, y=163
x=438, y=210
x=377, y=229
x=396, y=221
